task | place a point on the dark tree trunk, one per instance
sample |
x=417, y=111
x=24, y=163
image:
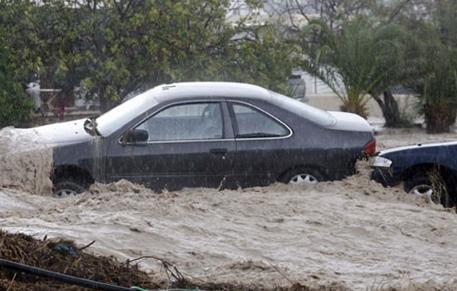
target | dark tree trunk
x=390, y=110
x=439, y=117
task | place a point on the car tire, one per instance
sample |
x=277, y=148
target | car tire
x=302, y=176
x=68, y=187
x=421, y=185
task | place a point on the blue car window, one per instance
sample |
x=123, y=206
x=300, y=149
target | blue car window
x=252, y=123
x=194, y=121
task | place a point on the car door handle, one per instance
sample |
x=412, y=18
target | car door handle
x=218, y=151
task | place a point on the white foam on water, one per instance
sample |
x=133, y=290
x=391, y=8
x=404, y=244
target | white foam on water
x=25, y=161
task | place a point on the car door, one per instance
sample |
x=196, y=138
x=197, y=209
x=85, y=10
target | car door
x=184, y=145
x=262, y=144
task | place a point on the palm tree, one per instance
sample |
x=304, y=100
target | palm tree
x=438, y=88
x=362, y=59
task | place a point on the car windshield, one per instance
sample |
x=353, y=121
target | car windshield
x=123, y=113
x=313, y=114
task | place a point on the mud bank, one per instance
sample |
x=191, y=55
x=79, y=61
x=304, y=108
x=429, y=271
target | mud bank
x=25, y=161
x=351, y=234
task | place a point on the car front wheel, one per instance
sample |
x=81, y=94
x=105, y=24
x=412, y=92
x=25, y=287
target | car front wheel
x=423, y=185
x=302, y=176
x=67, y=187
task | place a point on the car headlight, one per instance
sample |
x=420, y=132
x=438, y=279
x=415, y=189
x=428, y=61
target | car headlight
x=380, y=162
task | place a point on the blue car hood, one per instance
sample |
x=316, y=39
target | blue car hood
x=64, y=133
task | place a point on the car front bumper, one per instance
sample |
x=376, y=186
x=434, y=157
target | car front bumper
x=382, y=171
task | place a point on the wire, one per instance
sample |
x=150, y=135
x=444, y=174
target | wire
x=61, y=277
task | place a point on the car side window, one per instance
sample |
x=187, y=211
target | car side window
x=193, y=121
x=252, y=123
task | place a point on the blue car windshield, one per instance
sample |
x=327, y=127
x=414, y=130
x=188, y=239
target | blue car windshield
x=125, y=112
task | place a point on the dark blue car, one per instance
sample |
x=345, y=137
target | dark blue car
x=207, y=134
x=426, y=170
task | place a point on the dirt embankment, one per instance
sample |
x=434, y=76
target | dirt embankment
x=351, y=234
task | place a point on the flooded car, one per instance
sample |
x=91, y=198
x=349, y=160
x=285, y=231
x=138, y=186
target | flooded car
x=207, y=134
x=426, y=170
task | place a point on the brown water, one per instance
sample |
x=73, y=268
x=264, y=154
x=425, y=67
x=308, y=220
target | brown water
x=352, y=232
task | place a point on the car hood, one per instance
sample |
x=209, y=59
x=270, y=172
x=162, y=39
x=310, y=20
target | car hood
x=63, y=133
x=416, y=147
x=349, y=122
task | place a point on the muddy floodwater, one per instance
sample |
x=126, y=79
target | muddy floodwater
x=352, y=233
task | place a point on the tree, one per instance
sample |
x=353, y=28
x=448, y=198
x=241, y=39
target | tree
x=402, y=65
x=358, y=60
x=15, y=107
x=336, y=14
x=331, y=12
x=439, y=89
x=113, y=48
x=170, y=41
x=265, y=58
x=46, y=40
x=257, y=55
x=437, y=85
x=436, y=80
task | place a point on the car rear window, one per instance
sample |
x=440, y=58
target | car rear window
x=251, y=123
x=313, y=114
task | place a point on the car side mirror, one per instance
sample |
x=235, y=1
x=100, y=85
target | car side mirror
x=136, y=135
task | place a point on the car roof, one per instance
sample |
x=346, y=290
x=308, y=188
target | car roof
x=120, y=115
x=168, y=92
